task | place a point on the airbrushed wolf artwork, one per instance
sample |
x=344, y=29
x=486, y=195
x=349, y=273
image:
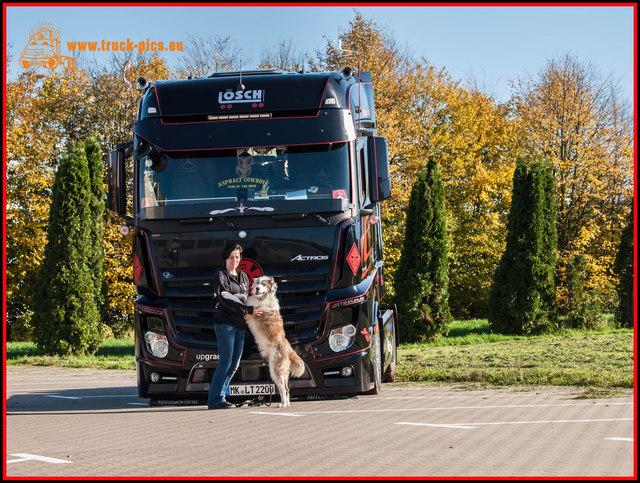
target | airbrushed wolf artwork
x=288, y=165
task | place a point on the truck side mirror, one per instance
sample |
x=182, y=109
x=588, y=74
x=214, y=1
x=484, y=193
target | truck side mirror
x=117, y=178
x=380, y=182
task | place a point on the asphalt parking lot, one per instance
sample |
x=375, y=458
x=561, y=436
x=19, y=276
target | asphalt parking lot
x=80, y=422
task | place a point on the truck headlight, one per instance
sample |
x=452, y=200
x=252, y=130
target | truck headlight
x=341, y=338
x=157, y=344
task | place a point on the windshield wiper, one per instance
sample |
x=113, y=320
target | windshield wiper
x=229, y=223
x=319, y=218
x=297, y=216
x=197, y=221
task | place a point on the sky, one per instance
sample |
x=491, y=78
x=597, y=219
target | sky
x=487, y=45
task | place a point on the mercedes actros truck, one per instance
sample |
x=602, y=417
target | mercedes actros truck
x=289, y=166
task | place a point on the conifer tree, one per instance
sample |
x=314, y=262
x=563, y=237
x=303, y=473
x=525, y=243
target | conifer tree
x=624, y=270
x=65, y=318
x=523, y=294
x=584, y=306
x=422, y=278
x=96, y=252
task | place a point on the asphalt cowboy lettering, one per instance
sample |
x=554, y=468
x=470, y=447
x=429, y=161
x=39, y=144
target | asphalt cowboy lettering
x=242, y=183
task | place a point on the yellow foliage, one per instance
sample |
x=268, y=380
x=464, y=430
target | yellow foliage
x=568, y=113
x=43, y=115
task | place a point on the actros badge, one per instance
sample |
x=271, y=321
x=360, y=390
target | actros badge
x=310, y=258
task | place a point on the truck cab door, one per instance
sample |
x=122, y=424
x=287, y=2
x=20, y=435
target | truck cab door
x=369, y=218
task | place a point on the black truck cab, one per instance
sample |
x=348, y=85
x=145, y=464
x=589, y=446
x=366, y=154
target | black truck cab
x=289, y=166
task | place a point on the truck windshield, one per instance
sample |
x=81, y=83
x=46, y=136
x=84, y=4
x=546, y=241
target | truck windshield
x=249, y=174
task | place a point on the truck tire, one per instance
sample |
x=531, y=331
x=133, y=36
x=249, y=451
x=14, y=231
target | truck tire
x=376, y=364
x=390, y=372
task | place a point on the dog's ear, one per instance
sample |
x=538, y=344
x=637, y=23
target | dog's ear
x=274, y=286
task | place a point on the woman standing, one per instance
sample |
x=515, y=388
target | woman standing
x=229, y=325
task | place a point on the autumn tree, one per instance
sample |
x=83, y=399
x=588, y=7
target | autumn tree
x=43, y=114
x=114, y=100
x=283, y=56
x=477, y=143
x=366, y=46
x=422, y=278
x=523, y=294
x=576, y=118
x=422, y=112
x=113, y=87
x=95, y=256
x=205, y=56
x=66, y=317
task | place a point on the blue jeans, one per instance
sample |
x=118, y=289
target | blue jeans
x=230, y=346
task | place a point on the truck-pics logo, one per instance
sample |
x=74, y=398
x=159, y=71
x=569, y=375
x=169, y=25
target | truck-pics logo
x=235, y=97
x=43, y=49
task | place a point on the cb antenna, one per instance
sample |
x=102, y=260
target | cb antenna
x=240, y=86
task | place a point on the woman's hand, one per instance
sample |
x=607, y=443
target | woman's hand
x=258, y=312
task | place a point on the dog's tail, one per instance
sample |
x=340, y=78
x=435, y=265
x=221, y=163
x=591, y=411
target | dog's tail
x=297, y=366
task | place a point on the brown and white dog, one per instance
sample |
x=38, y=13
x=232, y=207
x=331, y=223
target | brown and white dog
x=268, y=332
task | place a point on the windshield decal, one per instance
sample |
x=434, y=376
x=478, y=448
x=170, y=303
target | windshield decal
x=242, y=209
x=339, y=194
x=237, y=183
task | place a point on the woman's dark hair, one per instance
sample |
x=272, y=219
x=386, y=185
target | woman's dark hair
x=231, y=247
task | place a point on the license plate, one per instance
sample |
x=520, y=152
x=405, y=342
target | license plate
x=251, y=389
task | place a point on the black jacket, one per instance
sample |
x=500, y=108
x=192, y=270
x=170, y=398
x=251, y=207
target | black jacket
x=229, y=311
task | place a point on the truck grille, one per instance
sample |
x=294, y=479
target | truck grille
x=302, y=292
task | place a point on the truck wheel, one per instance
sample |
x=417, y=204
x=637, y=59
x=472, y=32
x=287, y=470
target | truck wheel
x=52, y=63
x=390, y=372
x=69, y=63
x=376, y=364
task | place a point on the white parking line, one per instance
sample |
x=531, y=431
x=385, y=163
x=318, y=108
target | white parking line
x=475, y=425
x=90, y=397
x=620, y=439
x=276, y=414
x=33, y=457
x=495, y=396
x=440, y=408
x=456, y=426
x=518, y=406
